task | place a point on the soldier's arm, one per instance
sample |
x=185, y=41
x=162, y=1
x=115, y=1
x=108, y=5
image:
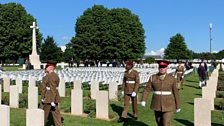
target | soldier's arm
x=137, y=82
x=123, y=84
x=53, y=86
x=147, y=89
x=176, y=94
x=183, y=70
x=43, y=86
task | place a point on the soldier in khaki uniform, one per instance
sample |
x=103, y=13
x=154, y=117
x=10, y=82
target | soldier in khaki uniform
x=179, y=74
x=50, y=94
x=130, y=88
x=163, y=103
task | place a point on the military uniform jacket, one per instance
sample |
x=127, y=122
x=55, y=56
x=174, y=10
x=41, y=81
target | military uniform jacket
x=180, y=69
x=131, y=77
x=51, y=80
x=162, y=102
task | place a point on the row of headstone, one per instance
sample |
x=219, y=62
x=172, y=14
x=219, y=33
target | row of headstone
x=204, y=105
x=34, y=117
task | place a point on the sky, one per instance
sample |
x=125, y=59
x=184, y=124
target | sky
x=161, y=20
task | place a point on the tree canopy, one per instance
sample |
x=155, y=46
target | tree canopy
x=50, y=50
x=177, y=48
x=103, y=33
x=15, y=32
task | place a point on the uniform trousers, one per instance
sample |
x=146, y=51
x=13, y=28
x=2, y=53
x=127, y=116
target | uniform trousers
x=163, y=118
x=55, y=113
x=127, y=98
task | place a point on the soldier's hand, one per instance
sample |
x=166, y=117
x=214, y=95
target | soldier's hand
x=178, y=110
x=122, y=93
x=143, y=103
x=42, y=100
x=182, y=77
x=53, y=104
x=133, y=94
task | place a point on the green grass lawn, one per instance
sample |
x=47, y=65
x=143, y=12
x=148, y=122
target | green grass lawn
x=146, y=116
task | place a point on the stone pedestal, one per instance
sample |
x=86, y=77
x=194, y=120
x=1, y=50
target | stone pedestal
x=113, y=91
x=34, y=117
x=6, y=84
x=14, y=97
x=94, y=88
x=202, y=112
x=35, y=61
x=102, y=101
x=61, y=88
x=4, y=115
x=77, y=84
x=77, y=102
x=32, y=97
x=19, y=83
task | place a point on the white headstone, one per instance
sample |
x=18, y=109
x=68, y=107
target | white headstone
x=77, y=102
x=94, y=88
x=113, y=91
x=202, y=112
x=14, y=97
x=34, y=117
x=34, y=58
x=32, y=97
x=0, y=94
x=102, y=101
x=5, y=115
x=61, y=88
x=77, y=84
x=6, y=84
x=32, y=82
x=19, y=83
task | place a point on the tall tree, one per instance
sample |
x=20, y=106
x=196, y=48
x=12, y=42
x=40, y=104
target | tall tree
x=177, y=48
x=220, y=54
x=15, y=32
x=108, y=34
x=50, y=50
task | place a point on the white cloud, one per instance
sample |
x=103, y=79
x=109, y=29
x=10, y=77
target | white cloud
x=158, y=52
x=66, y=38
x=63, y=48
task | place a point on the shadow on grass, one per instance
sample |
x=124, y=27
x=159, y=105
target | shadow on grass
x=117, y=109
x=199, y=94
x=185, y=122
x=191, y=81
x=191, y=103
x=215, y=124
x=191, y=86
x=130, y=121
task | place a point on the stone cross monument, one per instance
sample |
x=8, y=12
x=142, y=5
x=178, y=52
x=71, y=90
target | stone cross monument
x=34, y=58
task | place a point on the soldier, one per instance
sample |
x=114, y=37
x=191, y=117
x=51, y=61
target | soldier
x=130, y=88
x=50, y=94
x=164, y=87
x=179, y=74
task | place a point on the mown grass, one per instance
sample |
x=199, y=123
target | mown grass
x=146, y=116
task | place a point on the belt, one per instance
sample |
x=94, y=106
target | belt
x=48, y=88
x=162, y=92
x=130, y=82
x=179, y=72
